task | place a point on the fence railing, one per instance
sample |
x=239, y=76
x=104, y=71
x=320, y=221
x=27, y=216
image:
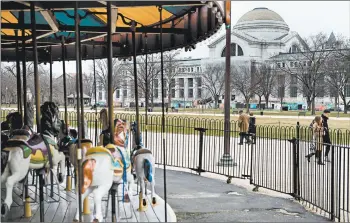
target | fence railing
x=275, y=160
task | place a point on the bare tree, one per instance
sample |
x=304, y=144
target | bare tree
x=102, y=73
x=171, y=71
x=307, y=66
x=245, y=81
x=266, y=81
x=144, y=79
x=338, y=77
x=213, y=77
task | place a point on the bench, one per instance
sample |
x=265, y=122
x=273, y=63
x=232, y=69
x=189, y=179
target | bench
x=235, y=112
x=302, y=113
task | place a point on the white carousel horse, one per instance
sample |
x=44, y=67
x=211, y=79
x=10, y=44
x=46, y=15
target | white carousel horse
x=33, y=154
x=143, y=164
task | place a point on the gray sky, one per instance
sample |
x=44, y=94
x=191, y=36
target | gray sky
x=305, y=17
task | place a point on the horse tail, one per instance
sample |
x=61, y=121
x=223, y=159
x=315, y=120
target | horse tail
x=147, y=166
x=88, y=169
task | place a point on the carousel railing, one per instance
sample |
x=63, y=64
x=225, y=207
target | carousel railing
x=274, y=160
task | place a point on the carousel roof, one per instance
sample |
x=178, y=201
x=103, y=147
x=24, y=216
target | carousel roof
x=185, y=23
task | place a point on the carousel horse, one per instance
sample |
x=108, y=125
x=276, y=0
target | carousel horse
x=143, y=164
x=39, y=152
x=122, y=173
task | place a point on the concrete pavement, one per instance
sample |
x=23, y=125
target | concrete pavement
x=200, y=199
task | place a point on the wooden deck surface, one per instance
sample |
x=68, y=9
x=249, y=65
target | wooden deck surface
x=65, y=209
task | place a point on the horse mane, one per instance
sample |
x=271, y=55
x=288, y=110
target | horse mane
x=104, y=118
x=48, y=111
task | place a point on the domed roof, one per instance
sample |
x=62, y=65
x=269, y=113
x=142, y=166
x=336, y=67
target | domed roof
x=260, y=14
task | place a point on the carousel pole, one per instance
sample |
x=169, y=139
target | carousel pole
x=133, y=29
x=37, y=104
x=95, y=92
x=51, y=73
x=21, y=15
x=18, y=73
x=110, y=91
x=79, y=154
x=63, y=55
x=27, y=208
x=163, y=114
x=227, y=160
x=81, y=91
x=86, y=205
x=147, y=94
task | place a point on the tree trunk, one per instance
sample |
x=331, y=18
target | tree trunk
x=345, y=105
x=281, y=101
x=169, y=99
x=313, y=107
x=308, y=101
x=267, y=101
x=247, y=104
x=260, y=101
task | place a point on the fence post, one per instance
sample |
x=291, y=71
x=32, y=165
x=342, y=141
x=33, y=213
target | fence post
x=296, y=169
x=332, y=186
x=199, y=169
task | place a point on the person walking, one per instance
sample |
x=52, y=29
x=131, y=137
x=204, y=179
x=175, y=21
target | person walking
x=252, y=127
x=317, y=130
x=326, y=137
x=243, y=124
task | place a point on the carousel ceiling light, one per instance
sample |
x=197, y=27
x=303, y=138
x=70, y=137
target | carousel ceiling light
x=218, y=15
x=210, y=4
x=215, y=9
x=203, y=2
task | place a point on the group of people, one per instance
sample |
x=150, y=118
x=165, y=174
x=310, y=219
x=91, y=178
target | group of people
x=320, y=137
x=247, y=128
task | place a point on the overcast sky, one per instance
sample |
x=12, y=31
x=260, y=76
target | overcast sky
x=305, y=17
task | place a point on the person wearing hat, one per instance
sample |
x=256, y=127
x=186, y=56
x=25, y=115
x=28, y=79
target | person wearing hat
x=243, y=124
x=326, y=138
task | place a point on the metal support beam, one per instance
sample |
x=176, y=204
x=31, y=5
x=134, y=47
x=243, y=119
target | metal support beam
x=18, y=73
x=227, y=160
x=64, y=83
x=109, y=70
x=94, y=29
x=50, y=19
x=77, y=60
x=24, y=68
x=82, y=121
x=95, y=93
x=163, y=114
x=147, y=87
x=36, y=74
x=51, y=74
x=137, y=137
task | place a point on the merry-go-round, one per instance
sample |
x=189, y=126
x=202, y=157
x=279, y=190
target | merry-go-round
x=51, y=172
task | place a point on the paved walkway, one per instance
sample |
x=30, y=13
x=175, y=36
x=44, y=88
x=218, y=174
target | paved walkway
x=200, y=199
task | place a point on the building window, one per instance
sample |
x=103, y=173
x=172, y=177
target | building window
x=125, y=93
x=199, y=93
x=199, y=82
x=155, y=93
x=118, y=93
x=100, y=96
x=191, y=69
x=100, y=87
x=236, y=50
x=190, y=93
x=197, y=69
x=283, y=64
x=190, y=82
x=173, y=93
x=278, y=65
x=293, y=92
x=182, y=93
x=181, y=82
x=293, y=79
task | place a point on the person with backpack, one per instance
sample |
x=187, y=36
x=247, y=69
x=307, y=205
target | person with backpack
x=252, y=127
x=326, y=137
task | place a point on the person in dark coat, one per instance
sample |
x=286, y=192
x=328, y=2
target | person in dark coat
x=252, y=127
x=326, y=137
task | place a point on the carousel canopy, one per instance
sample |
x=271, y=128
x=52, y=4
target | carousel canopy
x=185, y=23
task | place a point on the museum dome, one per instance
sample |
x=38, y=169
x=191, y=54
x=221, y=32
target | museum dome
x=262, y=24
x=260, y=14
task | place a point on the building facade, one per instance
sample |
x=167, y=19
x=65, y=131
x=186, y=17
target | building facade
x=259, y=36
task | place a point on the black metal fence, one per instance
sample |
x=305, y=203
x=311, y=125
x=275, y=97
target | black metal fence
x=275, y=161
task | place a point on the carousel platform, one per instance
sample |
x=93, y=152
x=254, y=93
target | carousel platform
x=65, y=209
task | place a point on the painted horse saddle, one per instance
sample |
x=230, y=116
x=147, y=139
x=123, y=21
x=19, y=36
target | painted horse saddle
x=117, y=162
x=35, y=146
